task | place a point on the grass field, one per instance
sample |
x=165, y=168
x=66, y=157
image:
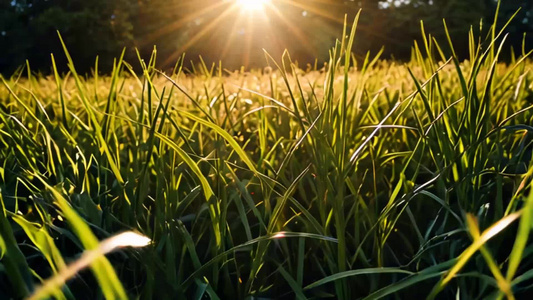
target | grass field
x=362, y=178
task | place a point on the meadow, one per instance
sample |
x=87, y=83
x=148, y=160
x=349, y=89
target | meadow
x=361, y=178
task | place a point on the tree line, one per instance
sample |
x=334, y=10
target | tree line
x=28, y=29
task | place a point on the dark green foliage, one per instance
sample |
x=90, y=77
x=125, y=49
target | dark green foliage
x=307, y=29
x=29, y=32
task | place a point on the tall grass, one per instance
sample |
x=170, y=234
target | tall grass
x=368, y=178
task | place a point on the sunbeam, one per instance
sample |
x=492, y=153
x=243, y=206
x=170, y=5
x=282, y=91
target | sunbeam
x=173, y=27
x=252, y=5
x=205, y=30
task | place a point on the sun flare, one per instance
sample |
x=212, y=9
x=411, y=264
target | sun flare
x=252, y=5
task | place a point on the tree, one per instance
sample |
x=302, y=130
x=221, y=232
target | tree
x=308, y=28
x=13, y=33
x=89, y=28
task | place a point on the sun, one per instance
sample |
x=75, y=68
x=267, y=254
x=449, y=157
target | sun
x=252, y=5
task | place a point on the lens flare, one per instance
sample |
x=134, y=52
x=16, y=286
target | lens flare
x=252, y=5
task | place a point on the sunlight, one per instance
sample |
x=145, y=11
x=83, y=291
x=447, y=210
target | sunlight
x=252, y=5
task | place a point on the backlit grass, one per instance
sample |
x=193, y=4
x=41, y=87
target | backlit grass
x=367, y=178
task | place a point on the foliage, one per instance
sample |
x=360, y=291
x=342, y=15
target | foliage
x=365, y=178
x=92, y=28
x=206, y=28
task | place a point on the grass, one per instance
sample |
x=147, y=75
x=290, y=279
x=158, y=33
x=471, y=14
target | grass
x=363, y=179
